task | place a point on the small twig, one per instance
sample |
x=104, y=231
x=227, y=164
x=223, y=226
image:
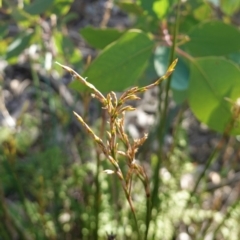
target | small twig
x=107, y=13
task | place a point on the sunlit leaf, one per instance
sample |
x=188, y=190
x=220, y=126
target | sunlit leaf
x=161, y=7
x=100, y=38
x=212, y=80
x=130, y=7
x=18, y=45
x=38, y=6
x=61, y=7
x=213, y=39
x=120, y=64
x=230, y=6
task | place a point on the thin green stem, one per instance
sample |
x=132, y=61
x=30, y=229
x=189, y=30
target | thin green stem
x=148, y=215
x=97, y=198
x=177, y=125
x=161, y=129
x=132, y=209
x=207, y=165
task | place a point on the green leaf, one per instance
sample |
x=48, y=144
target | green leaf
x=61, y=7
x=212, y=80
x=203, y=12
x=147, y=24
x=100, y=38
x=3, y=46
x=213, y=39
x=235, y=57
x=69, y=17
x=130, y=7
x=67, y=50
x=5, y=134
x=187, y=23
x=156, y=8
x=180, y=96
x=23, y=18
x=230, y=6
x=180, y=77
x=38, y=6
x=161, y=8
x=120, y=64
x=3, y=30
x=147, y=6
x=18, y=45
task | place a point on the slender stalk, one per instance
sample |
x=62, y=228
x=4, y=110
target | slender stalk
x=161, y=133
x=176, y=126
x=97, y=183
x=148, y=215
x=97, y=198
x=128, y=197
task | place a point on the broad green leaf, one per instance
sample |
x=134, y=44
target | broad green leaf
x=120, y=64
x=203, y=12
x=212, y=80
x=156, y=8
x=130, y=7
x=187, y=23
x=38, y=6
x=18, y=45
x=161, y=8
x=19, y=15
x=213, y=39
x=235, y=57
x=100, y=38
x=180, y=77
x=230, y=6
x=23, y=18
x=147, y=24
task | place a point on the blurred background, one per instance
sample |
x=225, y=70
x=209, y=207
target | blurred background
x=51, y=186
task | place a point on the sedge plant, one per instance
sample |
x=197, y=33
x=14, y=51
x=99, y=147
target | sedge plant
x=115, y=109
